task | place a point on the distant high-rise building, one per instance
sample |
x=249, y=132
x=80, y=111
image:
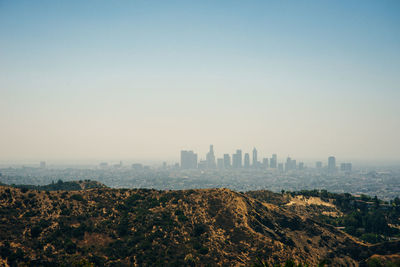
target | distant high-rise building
x=237, y=159
x=274, y=161
x=43, y=164
x=255, y=162
x=301, y=165
x=118, y=165
x=265, y=163
x=280, y=167
x=164, y=165
x=203, y=164
x=210, y=158
x=220, y=163
x=227, y=161
x=137, y=166
x=346, y=167
x=332, y=163
x=318, y=164
x=288, y=164
x=349, y=167
x=188, y=160
x=246, y=160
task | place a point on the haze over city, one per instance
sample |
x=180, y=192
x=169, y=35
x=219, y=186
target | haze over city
x=200, y=133
x=143, y=80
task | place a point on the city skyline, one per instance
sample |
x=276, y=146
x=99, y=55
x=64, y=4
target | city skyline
x=239, y=160
x=273, y=160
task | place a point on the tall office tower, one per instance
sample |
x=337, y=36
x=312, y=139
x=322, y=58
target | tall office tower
x=265, y=163
x=280, y=167
x=237, y=159
x=301, y=165
x=164, y=165
x=293, y=164
x=318, y=164
x=227, y=161
x=188, y=160
x=255, y=162
x=203, y=164
x=349, y=167
x=210, y=158
x=239, y=154
x=332, y=163
x=43, y=164
x=274, y=161
x=288, y=164
x=345, y=167
x=220, y=163
x=246, y=160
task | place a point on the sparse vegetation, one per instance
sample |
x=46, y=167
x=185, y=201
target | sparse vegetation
x=103, y=226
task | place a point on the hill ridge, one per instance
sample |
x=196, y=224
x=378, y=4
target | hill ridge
x=106, y=226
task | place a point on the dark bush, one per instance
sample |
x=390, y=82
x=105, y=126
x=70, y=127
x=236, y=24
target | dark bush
x=35, y=231
x=24, y=190
x=77, y=197
x=199, y=229
x=203, y=251
x=70, y=247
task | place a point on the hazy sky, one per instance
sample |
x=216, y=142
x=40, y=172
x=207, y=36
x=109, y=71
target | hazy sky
x=140, y=80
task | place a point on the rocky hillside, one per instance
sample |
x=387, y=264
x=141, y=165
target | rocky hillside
x=120, y=227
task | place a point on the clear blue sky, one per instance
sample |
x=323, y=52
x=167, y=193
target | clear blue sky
x=145, y=79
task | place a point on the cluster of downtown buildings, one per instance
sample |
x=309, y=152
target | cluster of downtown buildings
x=189, y=160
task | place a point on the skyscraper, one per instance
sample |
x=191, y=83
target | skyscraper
x=43, y=164
x=265, y=163
x=332, y=163
x=210, y=158
x=237, y=159
x=227, y=161
x=255, y=162
x=318, y=164
x=301, y=165
x=280, y=167
x=346, y=167
x=287, y=164
x=220, y=163
x=188, y=160
x=246, y=160
x=290, y=164
x=273, y=161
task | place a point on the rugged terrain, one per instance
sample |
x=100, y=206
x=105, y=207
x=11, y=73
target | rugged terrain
x=112, y=227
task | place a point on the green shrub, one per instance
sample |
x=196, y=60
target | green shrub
x=77, y=197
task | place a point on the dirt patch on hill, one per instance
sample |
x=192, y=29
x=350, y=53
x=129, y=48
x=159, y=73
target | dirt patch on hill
x=306, y=201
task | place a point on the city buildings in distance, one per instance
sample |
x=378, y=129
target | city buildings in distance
x=238, y=160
